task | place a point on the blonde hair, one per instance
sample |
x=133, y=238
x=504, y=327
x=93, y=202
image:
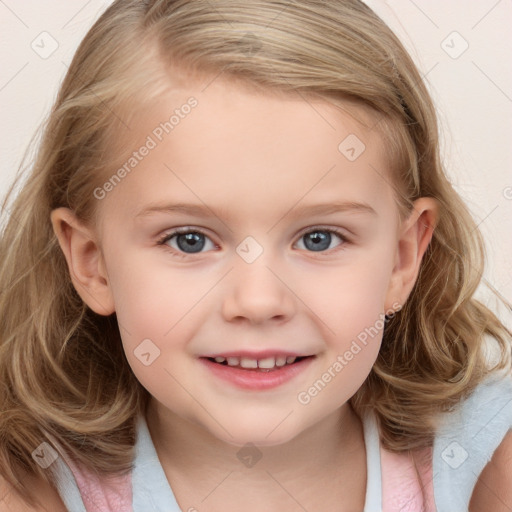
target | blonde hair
x=62, y=367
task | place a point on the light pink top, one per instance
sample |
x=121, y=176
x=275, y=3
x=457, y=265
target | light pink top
x=114, y=495
x=464, y=443
x=406, y=486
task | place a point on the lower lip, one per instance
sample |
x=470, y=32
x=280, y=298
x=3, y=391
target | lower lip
x=257, y=379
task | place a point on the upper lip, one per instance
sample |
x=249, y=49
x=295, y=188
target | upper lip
x=263, y=354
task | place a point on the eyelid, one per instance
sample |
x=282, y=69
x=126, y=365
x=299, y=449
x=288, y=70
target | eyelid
x=319, y=227
x=181, y=230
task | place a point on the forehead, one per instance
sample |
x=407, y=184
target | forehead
x=216, y=141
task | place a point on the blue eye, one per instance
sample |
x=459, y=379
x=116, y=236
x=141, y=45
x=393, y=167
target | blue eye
x=319, y=240
x=185, y=241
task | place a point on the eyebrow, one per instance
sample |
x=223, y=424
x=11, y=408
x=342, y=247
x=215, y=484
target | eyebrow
x=197, y=210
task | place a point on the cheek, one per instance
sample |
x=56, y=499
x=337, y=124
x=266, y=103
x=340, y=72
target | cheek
x=352, y=313
x=156, y=319
x=150, y=299
x=157, y=313
x=354, y=295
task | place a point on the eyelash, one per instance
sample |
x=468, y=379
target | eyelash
x=185, y=230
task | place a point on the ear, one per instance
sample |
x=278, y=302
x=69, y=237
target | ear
x=413, y=239
x=84, y=259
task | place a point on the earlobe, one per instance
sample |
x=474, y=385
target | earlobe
x=414, y=238
x=84, y=259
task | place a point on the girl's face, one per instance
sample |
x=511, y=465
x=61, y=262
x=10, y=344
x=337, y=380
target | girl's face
x=290, y=245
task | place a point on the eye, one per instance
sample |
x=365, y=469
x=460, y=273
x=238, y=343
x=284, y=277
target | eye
x=186, y=240
x=320, y=239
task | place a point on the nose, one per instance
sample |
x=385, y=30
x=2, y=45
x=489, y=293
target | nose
x=256, y=294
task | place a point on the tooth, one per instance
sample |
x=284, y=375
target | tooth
x=269, y=362
x=233, y=361
x=245, y=362
x=290, y=359
x=220, y=359
x=280, y=361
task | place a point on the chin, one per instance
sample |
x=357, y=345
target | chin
x=261, y=434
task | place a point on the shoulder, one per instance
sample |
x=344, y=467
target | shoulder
x=471, y=448
x=493, y=490
x=49, y=499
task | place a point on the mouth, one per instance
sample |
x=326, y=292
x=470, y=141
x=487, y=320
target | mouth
x=257, y=372
x=262, y=364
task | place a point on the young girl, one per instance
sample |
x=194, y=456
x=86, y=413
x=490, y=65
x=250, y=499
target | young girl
x=238, y=277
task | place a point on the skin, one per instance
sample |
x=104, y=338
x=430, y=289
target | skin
x=255, y=160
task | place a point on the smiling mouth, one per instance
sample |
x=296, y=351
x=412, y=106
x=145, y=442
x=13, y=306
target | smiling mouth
x=267, y=364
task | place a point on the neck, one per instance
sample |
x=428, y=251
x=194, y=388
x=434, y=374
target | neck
x=327, y=459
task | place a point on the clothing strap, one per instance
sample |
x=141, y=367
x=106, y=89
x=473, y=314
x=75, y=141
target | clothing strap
x=466, y=440
x=67, y=487
x=373, y=500
x=151, y=490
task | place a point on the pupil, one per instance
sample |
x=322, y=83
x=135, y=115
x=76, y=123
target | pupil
x=192, y=241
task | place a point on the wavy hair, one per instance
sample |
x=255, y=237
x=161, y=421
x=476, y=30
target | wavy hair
x=62, y=367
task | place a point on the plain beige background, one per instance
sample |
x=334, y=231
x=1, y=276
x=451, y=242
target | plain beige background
x=463, y=49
